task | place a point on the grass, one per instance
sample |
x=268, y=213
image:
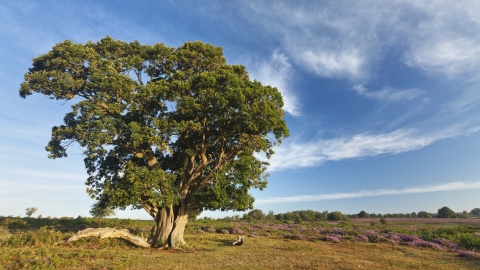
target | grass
x=267, y=246
x=214, y=251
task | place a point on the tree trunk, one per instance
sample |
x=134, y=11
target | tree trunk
x=176, y=236
x=163, y=226
x=169, y=227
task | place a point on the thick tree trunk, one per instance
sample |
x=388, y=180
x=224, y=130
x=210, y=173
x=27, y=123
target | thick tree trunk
x=169, y=227
x=163, y=226
x=181, y=218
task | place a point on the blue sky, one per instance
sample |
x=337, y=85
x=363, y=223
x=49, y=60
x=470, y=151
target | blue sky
x=382, y=97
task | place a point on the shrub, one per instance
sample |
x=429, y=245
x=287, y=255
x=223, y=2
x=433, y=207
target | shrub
x=335, y=238
x=383, y=221
x=335, y=216
x=469, y=254
x=236, y=230
x=362, y=238
x=209, y=229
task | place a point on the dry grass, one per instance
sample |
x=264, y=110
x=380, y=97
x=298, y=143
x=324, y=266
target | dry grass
x=214, y=251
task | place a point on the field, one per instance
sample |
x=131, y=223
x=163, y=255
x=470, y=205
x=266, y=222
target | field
x=356, y=244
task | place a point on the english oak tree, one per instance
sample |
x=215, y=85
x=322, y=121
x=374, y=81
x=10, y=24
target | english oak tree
x=169, y=130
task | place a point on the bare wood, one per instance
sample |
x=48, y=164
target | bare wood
x=110, y=233
x=239, y=241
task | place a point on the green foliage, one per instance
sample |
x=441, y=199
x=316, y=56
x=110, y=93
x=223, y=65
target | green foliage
x=336, y=216
x=445, y=212
x=363, y=214
x=29, y=211
x=383, y=221
x=304, y=215
x=43, y=236
x=100, y=211
x=256, y=214
x=161, y=127
x=423, y=214
x=464, y=214
x=475, y=212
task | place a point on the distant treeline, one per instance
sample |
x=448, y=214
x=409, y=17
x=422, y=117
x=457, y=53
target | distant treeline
x=311, y=216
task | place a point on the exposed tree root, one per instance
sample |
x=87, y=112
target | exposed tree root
x=110, y=233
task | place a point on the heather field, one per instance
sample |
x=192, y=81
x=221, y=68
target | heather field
x=421, y=220
x=27, y=243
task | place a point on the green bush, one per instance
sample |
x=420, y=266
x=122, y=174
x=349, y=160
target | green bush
x=335, y=216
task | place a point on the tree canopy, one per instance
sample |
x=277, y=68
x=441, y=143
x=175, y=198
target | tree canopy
x=29, y=211
x=475, y=212
x=169, y=130
x=99, y=211
x=363, y=214
x=445, y=212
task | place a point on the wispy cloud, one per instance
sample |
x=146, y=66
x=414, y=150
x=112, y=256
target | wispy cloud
x=277, y=72
x=330, y=43
x=295, y=154
x=450, y=57
x=447, y=38
x=388, y=93
x=371, y=193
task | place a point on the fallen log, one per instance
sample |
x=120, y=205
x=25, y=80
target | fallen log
x=110, y=233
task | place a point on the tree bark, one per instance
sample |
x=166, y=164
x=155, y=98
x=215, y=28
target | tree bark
x=169, y=227
x=181, y=218
x=110, y=233
x=163, y=226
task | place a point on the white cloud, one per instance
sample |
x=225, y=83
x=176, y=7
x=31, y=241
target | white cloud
x=277, y=72
x=388, y=93
x=447, y=37
x=346, y=39
x=347, y=63
x=294, y=154
x=450, y=57
x=371, y=193
x=338, y=41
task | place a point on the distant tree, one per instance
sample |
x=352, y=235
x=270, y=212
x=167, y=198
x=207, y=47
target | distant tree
x=445, y=212
x=270, y=216
x=325, y=215
x=424, y=214
x=475, y=212
x=100, y=211
x=464, y=214
x=29, y=211
x=413, y=215
x=256, y=214
x=363, y=214
x=298, y=219
x=335, y=216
